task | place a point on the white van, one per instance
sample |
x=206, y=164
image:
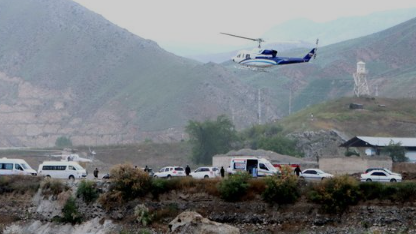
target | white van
x=263, y=166
x=10, y=166
x=61, y=170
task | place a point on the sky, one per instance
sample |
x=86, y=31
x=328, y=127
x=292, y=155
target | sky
x=199, y=22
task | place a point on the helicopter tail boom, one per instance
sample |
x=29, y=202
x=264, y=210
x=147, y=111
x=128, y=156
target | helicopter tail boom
x=310, y=55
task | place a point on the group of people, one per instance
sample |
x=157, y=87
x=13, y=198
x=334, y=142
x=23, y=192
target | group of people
x=297, y=171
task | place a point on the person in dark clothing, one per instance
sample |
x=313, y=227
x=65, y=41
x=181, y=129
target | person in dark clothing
x=187, y=170
x=222, y=171
x=297, y=171
x=146, y=169
x=96, y=173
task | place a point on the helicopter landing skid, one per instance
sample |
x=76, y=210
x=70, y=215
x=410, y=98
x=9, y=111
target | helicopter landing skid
x=251, y=68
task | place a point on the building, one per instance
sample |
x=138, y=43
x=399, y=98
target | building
x=374, y=145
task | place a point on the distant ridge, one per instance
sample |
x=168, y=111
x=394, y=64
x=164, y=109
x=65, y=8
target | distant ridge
x=66, y=71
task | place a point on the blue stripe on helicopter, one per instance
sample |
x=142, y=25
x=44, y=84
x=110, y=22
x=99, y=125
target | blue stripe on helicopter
x=258, y=61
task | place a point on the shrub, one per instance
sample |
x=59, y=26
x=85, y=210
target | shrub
x=404, y=192
x=53, y=187
x=159, y=186
x=234, y=187
x=335, y=195
x=129, y=181
x=371, y=190
x=87, y=191
x=70, y=212
x=281, y=191
x=143, y=215
x=19, y=184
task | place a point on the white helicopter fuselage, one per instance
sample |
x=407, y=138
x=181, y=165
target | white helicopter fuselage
x=254, y=59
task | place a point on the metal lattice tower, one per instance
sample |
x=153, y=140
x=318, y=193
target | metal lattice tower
x=360, y=80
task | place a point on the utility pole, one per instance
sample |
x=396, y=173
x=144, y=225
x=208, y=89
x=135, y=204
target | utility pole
x=259, y=105
x=290, y=101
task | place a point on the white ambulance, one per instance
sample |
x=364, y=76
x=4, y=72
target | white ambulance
x=11, y=166
x=242, y=164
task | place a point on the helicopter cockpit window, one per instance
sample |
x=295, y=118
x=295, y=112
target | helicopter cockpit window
x=247, y=56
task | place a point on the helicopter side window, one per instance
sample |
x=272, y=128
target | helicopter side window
x=247, y=56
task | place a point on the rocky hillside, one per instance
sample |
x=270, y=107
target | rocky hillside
x=67, y=71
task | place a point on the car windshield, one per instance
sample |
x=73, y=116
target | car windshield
x=388, y=171
x=25, y=166
x=319, y=171
x=268, y=165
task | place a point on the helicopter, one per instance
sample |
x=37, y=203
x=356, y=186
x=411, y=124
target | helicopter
x=263, y=58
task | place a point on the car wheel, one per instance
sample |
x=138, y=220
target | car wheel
x=48, y=176
x=71, y=177
x=368, y=180
x=206, y=177
x=322, y=178
x=393, y=180
x=155, y=176
x=169, y=177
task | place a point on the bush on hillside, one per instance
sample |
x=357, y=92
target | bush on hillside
x=53, y=187
x=335, y=195
x=87, y=191
x=283, y=190
x=70, y=212
x=19, y=184
x=129, y=181
x=234, y=187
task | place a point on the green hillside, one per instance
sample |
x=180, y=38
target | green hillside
x=379, y=117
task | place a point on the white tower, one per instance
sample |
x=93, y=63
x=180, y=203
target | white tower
x=360, y=80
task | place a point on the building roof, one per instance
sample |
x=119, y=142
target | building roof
x=365, y=141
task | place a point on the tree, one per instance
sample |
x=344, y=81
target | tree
x=396, y=152
x=209, y=138
x=269, y=137
x=63, y=141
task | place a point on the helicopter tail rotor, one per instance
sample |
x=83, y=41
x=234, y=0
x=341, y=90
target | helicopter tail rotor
x=316, y=49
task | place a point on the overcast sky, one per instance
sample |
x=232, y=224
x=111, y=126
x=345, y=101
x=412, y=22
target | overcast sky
x=199, y=22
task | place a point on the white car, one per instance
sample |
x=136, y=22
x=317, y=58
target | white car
x=314, y=175
x=380, y=176
x=205, y=172
x=169, y=172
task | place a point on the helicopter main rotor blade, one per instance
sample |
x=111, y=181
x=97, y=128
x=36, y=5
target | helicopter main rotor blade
x=253, y=39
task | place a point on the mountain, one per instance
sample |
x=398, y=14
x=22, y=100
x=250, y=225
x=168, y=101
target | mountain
x=67, y=71
x=340, y=29
x=389, y=55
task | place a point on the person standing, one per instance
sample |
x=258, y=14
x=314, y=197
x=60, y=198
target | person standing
x=222, y=171
x=146, y=169
x=297, y=171
x=187, y=170
x=96, y=173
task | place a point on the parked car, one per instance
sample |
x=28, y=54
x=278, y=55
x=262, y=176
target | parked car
x=168, y=172
x=314, y=175
x=242, y=164
x=205, y=172
x=381, y=169
x=62, y=170
x=10, y=166
x=380, y=176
